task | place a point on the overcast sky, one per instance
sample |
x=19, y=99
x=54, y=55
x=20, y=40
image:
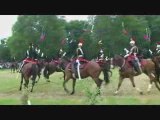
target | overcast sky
x=7, y=21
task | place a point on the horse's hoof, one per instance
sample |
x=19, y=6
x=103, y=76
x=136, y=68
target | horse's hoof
x=148, y=91
x=98, y=94
x=141, y=93
x=72, y=93
x=115, y=93
x=48, y=81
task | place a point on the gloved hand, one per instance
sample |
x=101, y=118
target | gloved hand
x=77, y=61
x=126, y=55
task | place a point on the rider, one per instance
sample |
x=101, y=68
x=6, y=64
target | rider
x=30, y=55
x=79, y=57
x=13, y=59
x=61, y=53
x=101, y=51
x=132, y=55
x=158, y=48
x=38, y=53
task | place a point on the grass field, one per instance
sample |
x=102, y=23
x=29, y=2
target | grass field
x=52, y=93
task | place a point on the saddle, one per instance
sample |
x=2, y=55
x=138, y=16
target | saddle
x=29, y=60
x=55, y=61
x=100, y=62
x=83, y=63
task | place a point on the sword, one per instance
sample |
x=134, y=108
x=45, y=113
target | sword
x=79, y=76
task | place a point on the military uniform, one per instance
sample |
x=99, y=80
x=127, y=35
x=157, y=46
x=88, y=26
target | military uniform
x=80, y=58
x=38, y=54
x=132, y=57
x=158, y=49
x=30, y=55
x=101, y=54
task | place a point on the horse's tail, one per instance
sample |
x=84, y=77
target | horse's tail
x=34, y=71
x=45, y=71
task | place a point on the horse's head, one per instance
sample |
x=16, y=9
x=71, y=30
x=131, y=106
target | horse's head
x=117, y=60
x=62, y=62
x=156, y=60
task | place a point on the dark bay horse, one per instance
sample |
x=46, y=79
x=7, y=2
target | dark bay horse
x=90, y=69
x=14, y=66
x=127, y=71
x=105, y=66
x=156, y=60
x=31, y=70
x=50, y=68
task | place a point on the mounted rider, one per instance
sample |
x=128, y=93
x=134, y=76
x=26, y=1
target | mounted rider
x=30, y=55
x=101, y=52
x=132, y=57
x=79, y=60
x=38, y=53
x=157, y=52
x=61, y=53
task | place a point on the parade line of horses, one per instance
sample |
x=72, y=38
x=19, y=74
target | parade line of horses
x=90, y=68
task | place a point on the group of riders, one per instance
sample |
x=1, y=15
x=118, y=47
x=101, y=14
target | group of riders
x=34, y=53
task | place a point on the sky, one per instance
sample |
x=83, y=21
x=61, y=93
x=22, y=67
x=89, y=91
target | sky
x=7, y=21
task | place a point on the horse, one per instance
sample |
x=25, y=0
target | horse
x=105, y=66
x=14, y=67
x=156, y=60
x=127, y=71
x=88, y=69
x=50, y=68
x=33, y=69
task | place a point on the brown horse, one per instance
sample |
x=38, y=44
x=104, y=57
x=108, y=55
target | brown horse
x=31, y=70
x=126, y=71
x=90, y=69
x=50, y=68
x=14, y=67
x=105, y=66
x=156, y=60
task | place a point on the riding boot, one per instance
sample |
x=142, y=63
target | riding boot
x=137, y=69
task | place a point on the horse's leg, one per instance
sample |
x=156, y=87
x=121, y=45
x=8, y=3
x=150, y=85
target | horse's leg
x=119, y=84
x=33, y=82
x=106, y=76
x=133, y=84
x=20, y=88
x=46, y=74
x=26, y=82
x=65, y=81
x=73, y=86
x=149, y=86
x=98, y=82
x=154, y=78
x=157, y=73
x=39, y=75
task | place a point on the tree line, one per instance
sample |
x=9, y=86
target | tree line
x=52, y=32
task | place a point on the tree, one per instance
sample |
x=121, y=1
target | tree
x=29, y=28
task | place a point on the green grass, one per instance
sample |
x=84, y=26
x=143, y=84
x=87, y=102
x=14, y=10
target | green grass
x=52, y=93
